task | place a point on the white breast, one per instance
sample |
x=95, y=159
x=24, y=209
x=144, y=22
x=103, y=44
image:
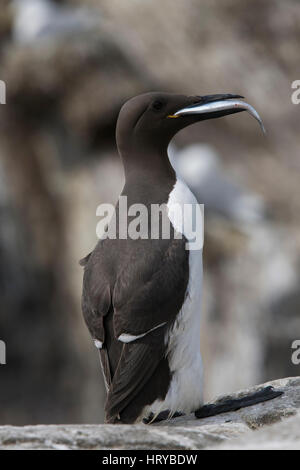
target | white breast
x=183, y=340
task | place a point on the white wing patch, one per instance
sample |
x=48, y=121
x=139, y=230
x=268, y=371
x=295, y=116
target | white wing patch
x=128, y=338
x=98, y=344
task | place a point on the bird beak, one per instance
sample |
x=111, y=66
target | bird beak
x=213, y=106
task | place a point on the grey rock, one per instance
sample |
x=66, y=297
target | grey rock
x=251, y=427
x=280, y=436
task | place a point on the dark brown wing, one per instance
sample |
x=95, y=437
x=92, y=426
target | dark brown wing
x=138, y=362
x=151, y=290
x=148, y=290
x=96, y=304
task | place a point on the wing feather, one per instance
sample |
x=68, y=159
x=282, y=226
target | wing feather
x=133, y=295
x=138, y=363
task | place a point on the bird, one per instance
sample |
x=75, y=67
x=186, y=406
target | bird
x=36, y=20
x=141, y=297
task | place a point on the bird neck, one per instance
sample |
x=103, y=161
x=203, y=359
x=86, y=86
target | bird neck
x=154, y=164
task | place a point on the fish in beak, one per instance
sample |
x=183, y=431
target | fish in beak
x=213, y=106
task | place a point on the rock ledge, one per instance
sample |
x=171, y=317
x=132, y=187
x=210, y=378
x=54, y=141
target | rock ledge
x=262, y=426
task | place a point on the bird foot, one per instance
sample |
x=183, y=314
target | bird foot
x=162, y=416
x=265, y=394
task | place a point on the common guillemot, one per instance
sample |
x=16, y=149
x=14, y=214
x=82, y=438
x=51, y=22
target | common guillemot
x=142, y=297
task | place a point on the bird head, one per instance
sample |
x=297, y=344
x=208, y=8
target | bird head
x=148, y=122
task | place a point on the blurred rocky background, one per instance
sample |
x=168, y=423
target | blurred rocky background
x=68, y=67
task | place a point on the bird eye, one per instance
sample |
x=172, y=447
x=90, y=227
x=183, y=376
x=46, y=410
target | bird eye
x=157, y=105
